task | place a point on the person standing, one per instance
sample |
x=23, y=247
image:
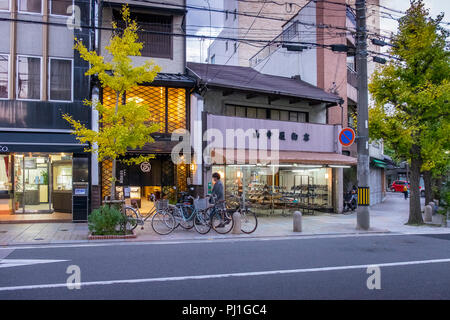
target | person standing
x=217, y=190
x=405, y=191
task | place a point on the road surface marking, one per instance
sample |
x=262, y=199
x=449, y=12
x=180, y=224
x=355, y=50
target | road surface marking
x=7, y=263
x=223, y=275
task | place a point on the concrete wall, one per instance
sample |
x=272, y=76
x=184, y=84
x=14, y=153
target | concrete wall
x=248, y=27
x=376, y=185
x=288, y=63
x=175, y=65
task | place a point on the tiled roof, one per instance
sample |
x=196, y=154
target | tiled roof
x=248, y=79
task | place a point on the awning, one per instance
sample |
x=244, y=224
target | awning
x=378, y=163
x=240, y=156
x=40, y=142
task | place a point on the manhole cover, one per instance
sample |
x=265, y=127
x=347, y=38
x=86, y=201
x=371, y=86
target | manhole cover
x=63, y=230
x=3, y=231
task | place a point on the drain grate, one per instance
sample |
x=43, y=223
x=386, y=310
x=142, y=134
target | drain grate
x=38, y=239
x=63, y=230
x=3, y=231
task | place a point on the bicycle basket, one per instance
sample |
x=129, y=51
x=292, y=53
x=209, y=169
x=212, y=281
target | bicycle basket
x=162, y=204
x=200, y=204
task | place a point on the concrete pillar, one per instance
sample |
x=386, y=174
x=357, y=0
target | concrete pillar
x=297, y=221
x=338, y=189
x=433, y=207
x=237, y=223
x=428, y=213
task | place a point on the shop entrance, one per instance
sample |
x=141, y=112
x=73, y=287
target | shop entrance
x=42, y=183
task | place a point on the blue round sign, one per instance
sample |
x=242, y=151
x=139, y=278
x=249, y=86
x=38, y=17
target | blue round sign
x=347, y=137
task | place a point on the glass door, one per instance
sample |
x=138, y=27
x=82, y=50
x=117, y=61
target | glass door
x=32, y=183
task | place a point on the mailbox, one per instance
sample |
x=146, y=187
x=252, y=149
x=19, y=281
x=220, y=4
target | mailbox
x=80, y=201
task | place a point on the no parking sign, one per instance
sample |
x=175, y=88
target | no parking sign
x=347, y=137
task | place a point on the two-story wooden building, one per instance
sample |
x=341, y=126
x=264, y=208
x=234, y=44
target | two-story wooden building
x=268, y=138
x=168, y=96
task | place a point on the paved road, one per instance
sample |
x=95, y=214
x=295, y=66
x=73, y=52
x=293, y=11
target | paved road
x=412, y=267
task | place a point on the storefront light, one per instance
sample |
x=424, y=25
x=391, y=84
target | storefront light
x=309, y=165
x=338, y=166
x=242, y=165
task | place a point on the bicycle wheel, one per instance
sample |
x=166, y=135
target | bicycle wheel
x=249, y=221
x=132, y=218
x=163, y=222
x=187, y=222
x=202, y=222
x=221, y=221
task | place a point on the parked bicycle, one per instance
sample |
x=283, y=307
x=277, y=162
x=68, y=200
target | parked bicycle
x=163, y=221
x=249, y=221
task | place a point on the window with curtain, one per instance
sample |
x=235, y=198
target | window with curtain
x=4, y=75
x=60, y=79
x=28, y=78
x=4, y=4
x=34, y=6
x=59, y=7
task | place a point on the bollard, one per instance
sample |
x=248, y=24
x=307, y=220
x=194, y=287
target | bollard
x=428, y=213
x=237, y=223
x=297, y=221
x=433, y=207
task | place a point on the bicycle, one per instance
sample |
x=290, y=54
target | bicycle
x=162, y=222
x=249, y=220
x=184, y=212
x=220, y=218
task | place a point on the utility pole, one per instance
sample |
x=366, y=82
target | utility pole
x=363, y=213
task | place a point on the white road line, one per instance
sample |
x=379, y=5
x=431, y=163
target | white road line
x=223, y=275
x=7, y=263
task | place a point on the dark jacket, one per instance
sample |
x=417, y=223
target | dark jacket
x=217, y=190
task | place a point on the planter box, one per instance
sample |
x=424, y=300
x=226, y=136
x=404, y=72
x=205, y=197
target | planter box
x=106, y=237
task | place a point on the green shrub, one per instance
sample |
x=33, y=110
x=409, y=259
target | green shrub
x=106, y=221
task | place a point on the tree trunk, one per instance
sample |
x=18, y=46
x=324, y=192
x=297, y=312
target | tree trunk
x=415, y=214
x=428, y=184
x=113, y=180
x=113, y=169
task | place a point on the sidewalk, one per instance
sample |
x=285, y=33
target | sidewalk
x=389, y=216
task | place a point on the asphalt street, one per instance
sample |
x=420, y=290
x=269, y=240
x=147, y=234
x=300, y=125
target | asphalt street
x=330, y=267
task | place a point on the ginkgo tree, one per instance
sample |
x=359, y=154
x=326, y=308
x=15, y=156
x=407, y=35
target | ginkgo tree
x=122, y=126
x=411, y=93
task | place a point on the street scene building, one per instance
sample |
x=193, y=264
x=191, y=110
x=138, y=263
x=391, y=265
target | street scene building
x=41, y=78
x=291, y=115
x=168, y=97
x=202, y=150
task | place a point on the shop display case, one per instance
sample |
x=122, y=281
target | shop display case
x=62, y=185
x=280, y=191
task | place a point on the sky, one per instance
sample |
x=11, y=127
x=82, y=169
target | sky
x=209, y=24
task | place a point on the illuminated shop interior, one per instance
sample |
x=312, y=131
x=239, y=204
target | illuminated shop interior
x=280, y=189
x=36, y=183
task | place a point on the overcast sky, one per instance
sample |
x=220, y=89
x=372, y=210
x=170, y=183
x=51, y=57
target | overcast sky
x=206, y=23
